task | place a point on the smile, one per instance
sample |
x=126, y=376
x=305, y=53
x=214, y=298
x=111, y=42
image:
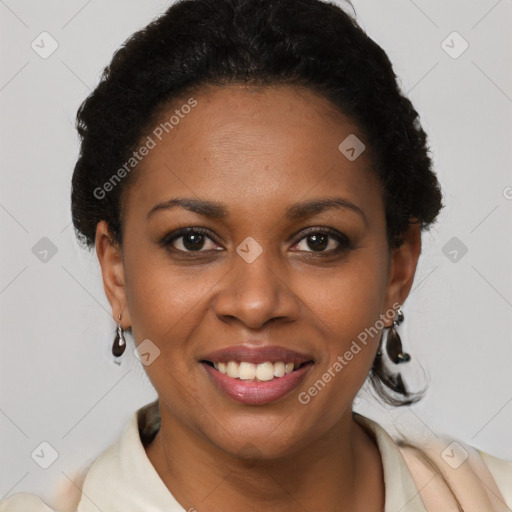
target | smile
x=256, y=375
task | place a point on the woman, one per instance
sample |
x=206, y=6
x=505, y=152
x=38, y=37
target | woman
x=255, y=186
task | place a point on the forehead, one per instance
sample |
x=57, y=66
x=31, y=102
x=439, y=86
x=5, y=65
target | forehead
x=244, y=145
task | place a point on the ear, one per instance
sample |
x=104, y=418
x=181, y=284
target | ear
x=112, y=270
x=404, y=260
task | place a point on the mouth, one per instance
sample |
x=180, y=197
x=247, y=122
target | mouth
x=256, y=375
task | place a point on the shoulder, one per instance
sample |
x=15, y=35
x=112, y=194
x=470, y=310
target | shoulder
x=24, y=502
x=108, y=477
x=501, y=471
x=466, y=473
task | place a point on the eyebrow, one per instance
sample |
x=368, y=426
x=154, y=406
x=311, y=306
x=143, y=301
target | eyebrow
x=214, y=210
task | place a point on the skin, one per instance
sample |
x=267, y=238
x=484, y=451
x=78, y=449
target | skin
x=258, y=151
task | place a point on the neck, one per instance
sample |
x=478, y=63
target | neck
x=341, y=471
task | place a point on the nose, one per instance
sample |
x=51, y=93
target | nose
x=256, y=293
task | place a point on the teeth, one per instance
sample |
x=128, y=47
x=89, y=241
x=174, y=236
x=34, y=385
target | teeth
x=279, y=369
x=265, y=371
x=248, y=371
x=232, y=369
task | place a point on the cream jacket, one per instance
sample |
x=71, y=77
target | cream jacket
x=443, y=477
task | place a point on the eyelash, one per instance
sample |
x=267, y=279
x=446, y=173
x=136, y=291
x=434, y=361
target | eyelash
x=344, y=242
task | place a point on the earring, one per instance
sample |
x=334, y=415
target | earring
x=394, y=343
x=119, y=342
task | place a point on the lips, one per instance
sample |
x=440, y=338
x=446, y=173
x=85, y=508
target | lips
x=257, y=355
x=245, y=387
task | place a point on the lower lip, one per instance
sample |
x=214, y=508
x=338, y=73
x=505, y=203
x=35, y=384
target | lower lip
x=255, y=392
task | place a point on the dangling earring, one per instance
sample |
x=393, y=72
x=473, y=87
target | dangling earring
x=119, y=342
x=394, y=343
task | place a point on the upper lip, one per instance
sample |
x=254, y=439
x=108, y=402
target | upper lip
x=256, y=355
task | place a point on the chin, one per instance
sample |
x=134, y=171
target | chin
x=260, y=437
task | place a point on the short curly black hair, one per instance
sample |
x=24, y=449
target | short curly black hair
x=307, y=43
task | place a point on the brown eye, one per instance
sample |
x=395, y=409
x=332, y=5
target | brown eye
x=189, y=240
x=323, y=241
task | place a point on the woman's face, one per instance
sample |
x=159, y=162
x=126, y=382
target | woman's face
x=288, y=263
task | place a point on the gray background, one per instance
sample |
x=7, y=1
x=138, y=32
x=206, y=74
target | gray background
x=58, y=381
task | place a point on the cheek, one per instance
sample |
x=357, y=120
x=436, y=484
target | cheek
x=168, y=305
x=163, y=307
x=351, y=297
x=348, y=305
x=160, y=296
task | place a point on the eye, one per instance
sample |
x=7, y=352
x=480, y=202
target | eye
x=325, y=240
x=189, y=240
